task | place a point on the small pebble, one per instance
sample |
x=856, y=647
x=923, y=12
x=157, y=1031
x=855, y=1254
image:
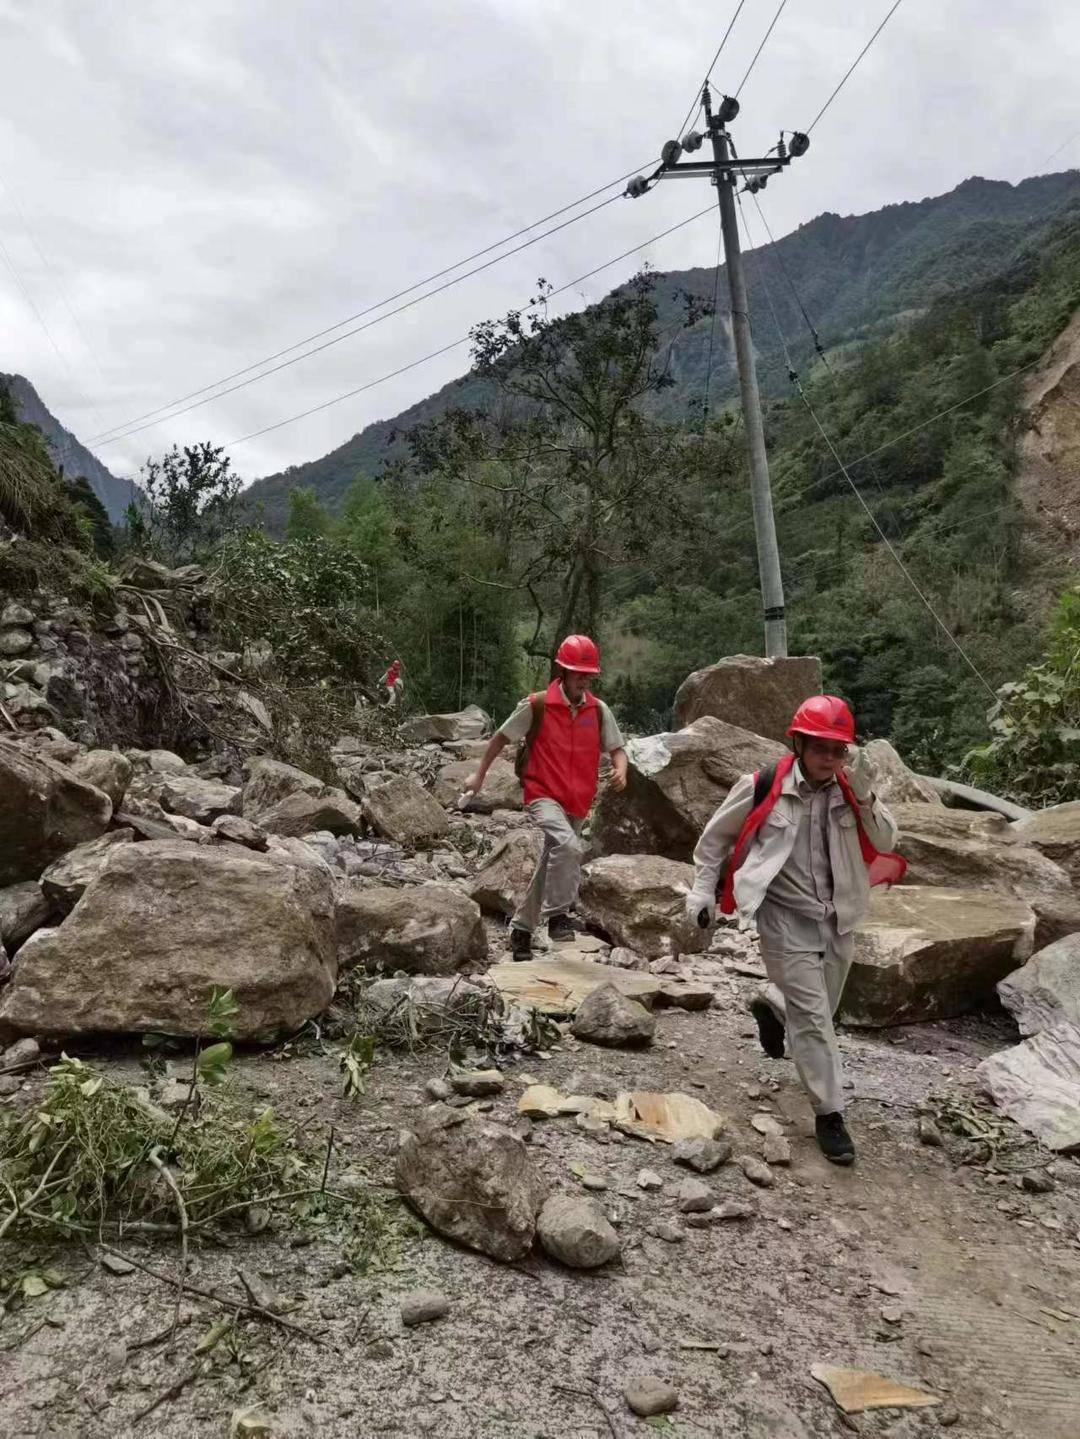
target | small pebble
x=649, y=1396
x=668, y=1232
x=422, y=1307
x=776, y=1150
x=649, y=1179
x=438, y=1089
x=756, y=1170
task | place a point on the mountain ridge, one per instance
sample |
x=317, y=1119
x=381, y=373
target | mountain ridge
x=852, y=273
x=67, y=452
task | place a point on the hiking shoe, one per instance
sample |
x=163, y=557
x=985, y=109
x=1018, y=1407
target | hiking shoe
x=833, y=1139
x=560, y=929
x=520, y=944
x=770, y=1029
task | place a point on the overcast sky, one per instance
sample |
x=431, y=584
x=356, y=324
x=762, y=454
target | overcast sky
x=185, y=189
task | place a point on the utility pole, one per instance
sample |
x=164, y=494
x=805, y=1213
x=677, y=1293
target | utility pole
x=725, y=171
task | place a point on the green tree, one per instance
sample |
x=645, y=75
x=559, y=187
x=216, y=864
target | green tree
x=307, y=518
x=94, y=517
x=192, y=499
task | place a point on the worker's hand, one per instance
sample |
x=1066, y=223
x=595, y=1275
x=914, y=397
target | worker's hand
x=700, y=908
x=860, y=774
x=619, y=765
x=475, y=783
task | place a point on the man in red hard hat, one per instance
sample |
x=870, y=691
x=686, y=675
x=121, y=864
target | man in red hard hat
x=561, y=733
x=797, y=847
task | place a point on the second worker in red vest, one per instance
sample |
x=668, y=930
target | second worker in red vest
x=560, y=779
x=797, y=849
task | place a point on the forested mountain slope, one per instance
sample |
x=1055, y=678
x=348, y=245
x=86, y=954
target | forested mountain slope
x=852, y=273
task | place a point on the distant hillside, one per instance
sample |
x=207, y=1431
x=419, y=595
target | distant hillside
x=853, y=273
x=75, y=459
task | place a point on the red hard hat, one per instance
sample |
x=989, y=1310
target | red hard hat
x=824, y=717
x=577, y=652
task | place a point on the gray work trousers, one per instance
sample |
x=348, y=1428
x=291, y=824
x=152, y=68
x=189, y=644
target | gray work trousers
x=554, y=887
x=806, y=984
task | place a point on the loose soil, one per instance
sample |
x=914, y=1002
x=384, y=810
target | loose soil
x=934, y=1273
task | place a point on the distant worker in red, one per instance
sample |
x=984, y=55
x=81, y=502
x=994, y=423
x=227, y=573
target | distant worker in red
x=797, y=847
x=561, y=736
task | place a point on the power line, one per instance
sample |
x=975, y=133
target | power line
x=1063, y=146
x=369, y=309
x=358, y=329
x=757, y=52
x=891, y=548
x=695, y=105
x=848, y=72
x=454, y=344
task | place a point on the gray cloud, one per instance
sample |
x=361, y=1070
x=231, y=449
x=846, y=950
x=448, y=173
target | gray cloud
x=186, y=189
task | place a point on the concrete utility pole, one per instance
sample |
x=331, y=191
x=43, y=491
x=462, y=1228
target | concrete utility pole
x=725, y=171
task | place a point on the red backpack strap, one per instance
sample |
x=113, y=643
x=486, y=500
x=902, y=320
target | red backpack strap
x=881, y=868
x=763, y=801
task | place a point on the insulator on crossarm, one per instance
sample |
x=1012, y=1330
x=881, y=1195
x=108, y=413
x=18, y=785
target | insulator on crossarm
x=729, y=108
x=670, y=153
x=800, y=143
x=637, y=187
x=781, y=148
x=692, y=142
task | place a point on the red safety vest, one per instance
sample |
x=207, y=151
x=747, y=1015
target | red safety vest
x=564, y=758
x=881, y=868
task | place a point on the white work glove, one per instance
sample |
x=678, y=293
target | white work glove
x=701, y=908
x=860, y=773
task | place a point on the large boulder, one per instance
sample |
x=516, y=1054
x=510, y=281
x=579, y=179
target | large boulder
x=426, y=929
x=432, y=1002
x=268, y=781
x=1037, y=1084
x=894, y=783
x=928, y=953
x=472, y=1180
x=502, y=788
x=203, y=800
x=44, y=811
x=107, y=770
x=402, y=810
x=754, y=693
x=970, y=850
x=469, y=723
x=66, y=880
x=23, y=909
x=501, y=885
x=299, y=814
x=674, y=783
x=637, y=899
x=163, y=923
x=1047, y=988
x=1055, y=832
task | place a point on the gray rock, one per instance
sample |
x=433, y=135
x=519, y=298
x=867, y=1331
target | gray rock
x=65, y=882
x=1047, y=988
x=24, y=908
x=44, y=812
x=734, y=1209
x=573, y=1230
x=15, y=642
x=433, y=929
x=268, y=781
x=422, y=1307
x=162, y=761
x=756, y=1170
x=502, y=788
x=668, y=1232
x=402, y=810
x=704, y=1155
x=1037, y=1083
x=238, y=830
x=501, y=885
x=776, y=1150
x=203, y=800
x=15, y=615
x=472, y=1180
x=638, y=900
x=477, y=1083
x=648, y=1179
x=608, y=1017
x=23, y=1051
x=438, y=1089
x=302, y=814
x=648, y=1396
x=107, y=770
x=694, y=1197
x=467, y=724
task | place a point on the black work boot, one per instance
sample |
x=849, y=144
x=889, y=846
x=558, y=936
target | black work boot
x=560, y=930
x=834, y=1140
x=770, y=1029
x=520, y=944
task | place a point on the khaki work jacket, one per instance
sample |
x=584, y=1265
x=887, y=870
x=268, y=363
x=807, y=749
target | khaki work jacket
x=774, y=841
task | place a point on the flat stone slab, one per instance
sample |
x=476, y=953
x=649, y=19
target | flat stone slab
x=558, y=985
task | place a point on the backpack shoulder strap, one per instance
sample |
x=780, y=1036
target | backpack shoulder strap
x=763, y=783
x=537, y=704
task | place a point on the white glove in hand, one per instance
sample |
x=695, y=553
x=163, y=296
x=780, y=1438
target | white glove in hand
x=700, y=903
x=860, y=773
